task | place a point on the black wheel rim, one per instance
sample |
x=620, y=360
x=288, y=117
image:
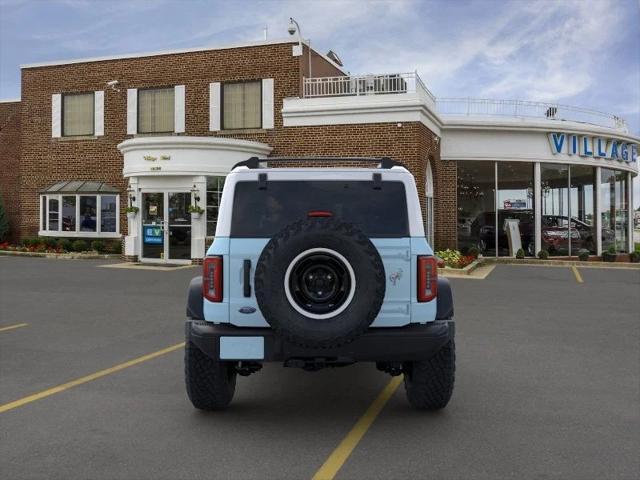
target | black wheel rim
x=319, y=283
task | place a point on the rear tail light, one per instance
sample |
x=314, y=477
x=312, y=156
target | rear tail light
x=212, y=279
x=427, y=278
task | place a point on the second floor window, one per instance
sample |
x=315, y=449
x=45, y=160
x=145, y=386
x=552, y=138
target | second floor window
x=242, y=105
x=156, y=110
x=77, y=114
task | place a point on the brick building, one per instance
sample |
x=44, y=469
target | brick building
x=159, y=132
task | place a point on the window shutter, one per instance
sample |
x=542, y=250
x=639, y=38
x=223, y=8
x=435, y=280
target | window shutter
x=267, y=103
x=214, y=106
x=178, y=110
x=98, y=111
x=56, y=115
x=132, y=111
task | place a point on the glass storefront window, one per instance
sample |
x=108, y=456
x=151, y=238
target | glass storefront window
x=582, y=206
x=214, y=194
x=516, y=203
x=476, y=206
x=108, y=213
x=88, y=213
x=554, y=232
x=69, y=213
x=53, y=214
x=43, y=213
x=614, y=209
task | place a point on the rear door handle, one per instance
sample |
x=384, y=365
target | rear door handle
x=247, y=280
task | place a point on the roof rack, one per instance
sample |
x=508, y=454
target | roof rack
x=254, y=162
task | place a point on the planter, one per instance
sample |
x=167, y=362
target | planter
x=196, y=215
x=634, y=257
x=609, y=257
x=131, y=216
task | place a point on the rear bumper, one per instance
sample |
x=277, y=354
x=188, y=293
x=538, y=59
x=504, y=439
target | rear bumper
x=410, y=343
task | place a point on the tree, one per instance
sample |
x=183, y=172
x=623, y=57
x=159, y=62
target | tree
x=4, y=222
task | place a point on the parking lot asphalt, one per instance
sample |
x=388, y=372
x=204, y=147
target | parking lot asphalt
x=547, y=385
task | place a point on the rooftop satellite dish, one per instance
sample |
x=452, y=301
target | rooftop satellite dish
x=334, y=57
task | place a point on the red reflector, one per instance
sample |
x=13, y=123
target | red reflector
x=427, y=278
x=212, y=279
x=319, y=213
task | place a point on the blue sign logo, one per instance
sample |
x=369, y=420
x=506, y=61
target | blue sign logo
x=597, y=147
x=153, y=235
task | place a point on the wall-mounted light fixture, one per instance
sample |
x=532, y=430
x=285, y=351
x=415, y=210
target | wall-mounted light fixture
x=132, y=197
x=196, y=194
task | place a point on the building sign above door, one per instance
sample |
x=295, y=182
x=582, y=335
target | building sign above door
x=151, y=158
x=589, y=146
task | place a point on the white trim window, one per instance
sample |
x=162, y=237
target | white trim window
x=80, y=215
x=79, y=114
x=156, y=110
x=214, y=194
x=242, y=105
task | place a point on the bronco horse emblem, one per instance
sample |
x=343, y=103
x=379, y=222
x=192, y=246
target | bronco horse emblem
x=395, y=276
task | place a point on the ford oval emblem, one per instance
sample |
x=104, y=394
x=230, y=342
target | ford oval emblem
x=247, y=310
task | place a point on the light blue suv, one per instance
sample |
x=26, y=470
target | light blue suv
x=319, y=267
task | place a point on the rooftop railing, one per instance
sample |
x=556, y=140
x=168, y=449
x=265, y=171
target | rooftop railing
x=478, y=107
x=399, y=83
x=356, y=85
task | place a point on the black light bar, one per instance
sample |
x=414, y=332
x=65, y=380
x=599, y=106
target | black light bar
x=254, y=162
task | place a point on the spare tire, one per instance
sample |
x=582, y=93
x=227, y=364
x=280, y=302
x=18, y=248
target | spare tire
x=320, y=283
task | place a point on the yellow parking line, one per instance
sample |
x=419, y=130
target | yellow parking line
x=330, y=467
x=79, y=381
x=576, y=273
x=11, y=327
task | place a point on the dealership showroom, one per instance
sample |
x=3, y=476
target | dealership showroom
x=113, y=152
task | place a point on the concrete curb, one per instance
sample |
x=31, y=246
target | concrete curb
x=463, y=271
x=564, y=263
x=63, y=256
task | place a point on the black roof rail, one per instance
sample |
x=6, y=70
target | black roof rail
x=254, y=162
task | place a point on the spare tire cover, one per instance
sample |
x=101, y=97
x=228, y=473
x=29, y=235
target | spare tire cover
x=320, y=282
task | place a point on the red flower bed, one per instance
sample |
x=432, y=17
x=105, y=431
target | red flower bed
x=465, y=260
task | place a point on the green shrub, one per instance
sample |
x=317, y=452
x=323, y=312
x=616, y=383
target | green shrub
x=79, y=246
x=473, y=252
x=520, y=254
x=583, y=254
x=48, y=242
x=98, y=246
x=115, y=247
x=543, y=254
x=27, y=242
x=612, y=250
x=635, y=257
x=450, y=257
x=66, y=244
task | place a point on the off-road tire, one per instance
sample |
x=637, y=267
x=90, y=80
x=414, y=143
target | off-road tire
x=429, y=383
x=343, y=238
x=210, y=384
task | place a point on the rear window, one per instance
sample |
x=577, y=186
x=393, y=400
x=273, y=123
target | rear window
x=261, y=213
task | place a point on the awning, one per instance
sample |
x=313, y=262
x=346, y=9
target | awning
x=80, y=186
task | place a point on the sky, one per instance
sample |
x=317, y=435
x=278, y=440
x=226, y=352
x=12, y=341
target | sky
x=576, y=52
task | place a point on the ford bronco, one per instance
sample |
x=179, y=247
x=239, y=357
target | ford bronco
x=315, y=268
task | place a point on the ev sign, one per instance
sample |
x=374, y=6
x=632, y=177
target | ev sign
x=597, y=147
